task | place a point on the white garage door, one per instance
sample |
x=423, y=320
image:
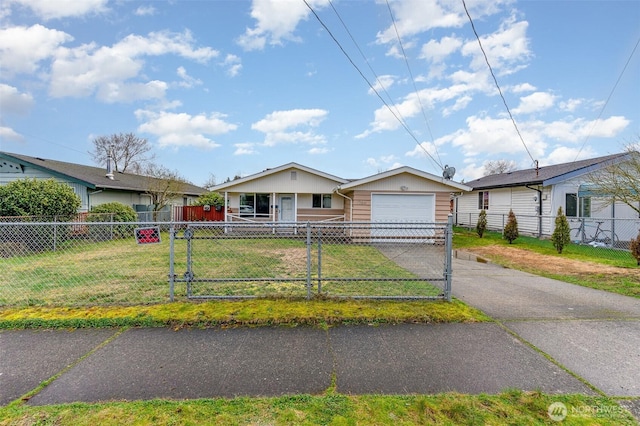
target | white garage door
x=398, y=208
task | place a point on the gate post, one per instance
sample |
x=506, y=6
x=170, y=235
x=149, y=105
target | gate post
x=172, y=273
x=448, y=247
x=308, y=260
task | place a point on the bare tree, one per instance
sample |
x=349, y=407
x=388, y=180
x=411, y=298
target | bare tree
x=210, y=182
x=620, y=181
x=496, y=167
x=162, y=185
x=128, y=151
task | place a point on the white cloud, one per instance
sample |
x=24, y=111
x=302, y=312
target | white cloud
x=436, y=51
x=23, y=48
x=571, y=105
x=279, y=126
x=182, y=129
x=87, y=69
x=578, y=130
x=48, y=9
x=416, y=16
x=187, y=80
x=276, y=20
x=384, y=82
x=14, y=102
x=535, y=102
x=246, y=148
x=129, y=92
x=384, y=162
x=8, y=134
x=145, y=11
x=318, y=150
x=523, y=87
x=565, y=154
x=491, y=136
x=233, y=64
x=507, y=49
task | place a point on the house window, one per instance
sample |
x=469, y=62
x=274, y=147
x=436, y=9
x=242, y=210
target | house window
x=321, y=201
x=585, y=206
x=483, y=200
x=571, y=204
x=253, y=205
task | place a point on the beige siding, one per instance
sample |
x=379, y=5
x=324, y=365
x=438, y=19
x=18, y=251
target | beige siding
x=362, y=205
x=304, y=182
x=405, y=182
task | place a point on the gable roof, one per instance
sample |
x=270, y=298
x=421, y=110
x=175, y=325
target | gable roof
x=404, y=169
x=547, y=175
x=92, y=177
x=268, y=172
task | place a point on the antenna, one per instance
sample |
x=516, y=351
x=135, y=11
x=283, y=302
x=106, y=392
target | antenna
x=448, y=172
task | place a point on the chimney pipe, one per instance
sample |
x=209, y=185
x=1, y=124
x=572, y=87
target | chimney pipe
x=109, y=171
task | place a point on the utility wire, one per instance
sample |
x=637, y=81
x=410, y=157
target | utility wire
x=404, y=125
x=415, y=88
x=495, y=80
x=595, y=123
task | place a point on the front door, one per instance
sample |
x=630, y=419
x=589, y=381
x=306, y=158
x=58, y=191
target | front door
x=287, y=212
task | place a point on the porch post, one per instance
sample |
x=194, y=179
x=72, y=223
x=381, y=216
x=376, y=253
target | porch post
x=274, y=208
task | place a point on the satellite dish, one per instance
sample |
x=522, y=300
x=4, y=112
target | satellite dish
x=448, y=172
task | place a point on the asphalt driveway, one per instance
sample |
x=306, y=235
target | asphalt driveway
x=592, y=333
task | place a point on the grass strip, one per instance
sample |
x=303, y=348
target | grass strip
x=510, y=407
x=254, y=312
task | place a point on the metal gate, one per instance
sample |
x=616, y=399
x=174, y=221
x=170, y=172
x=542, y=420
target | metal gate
x=311, y=259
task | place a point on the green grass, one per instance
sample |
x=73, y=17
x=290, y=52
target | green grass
x=123, y=272
x=624, y=281
x=510, y=407
x=254, y=312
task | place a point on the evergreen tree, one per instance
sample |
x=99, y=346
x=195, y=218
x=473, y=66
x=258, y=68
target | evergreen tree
x=481, y=226
x=635, y=248
x=562, y=233
x=511, y=228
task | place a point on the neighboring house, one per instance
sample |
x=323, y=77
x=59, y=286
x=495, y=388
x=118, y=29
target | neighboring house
x=535, y=194
x=94, y=185
x=293, y=193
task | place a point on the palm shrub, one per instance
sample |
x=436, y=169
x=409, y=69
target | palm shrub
x=481, y=226
x=635, y=248
x=112, y=212
x=511, y=228
x=562, y=233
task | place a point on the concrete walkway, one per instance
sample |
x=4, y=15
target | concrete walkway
x=590, y=334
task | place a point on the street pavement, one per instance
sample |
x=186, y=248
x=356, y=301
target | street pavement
x=548, y=336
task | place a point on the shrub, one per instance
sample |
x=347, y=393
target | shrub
x=562, y=233
x=481, y=226
x=511, y=228
x=45, y=200
x=210, y=198
x=112, y=212
x=635, y=248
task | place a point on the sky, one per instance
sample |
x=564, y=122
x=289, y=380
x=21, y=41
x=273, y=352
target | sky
x=348, y=87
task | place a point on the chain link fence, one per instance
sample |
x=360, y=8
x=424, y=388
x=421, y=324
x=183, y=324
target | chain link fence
x=94, y=262
x=356, y=260
x=608, y=235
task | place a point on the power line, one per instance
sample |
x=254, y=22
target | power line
x=415, y=88
x=495, y=80
x=633, y=51
x=404, y=125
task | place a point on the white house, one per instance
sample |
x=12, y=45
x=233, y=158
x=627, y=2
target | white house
x=535, y=194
